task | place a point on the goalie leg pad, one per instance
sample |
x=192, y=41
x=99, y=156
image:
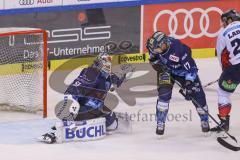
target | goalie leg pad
x=85, y=130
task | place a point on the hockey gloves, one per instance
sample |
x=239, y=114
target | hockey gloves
x=157, y=65
x=189, y=90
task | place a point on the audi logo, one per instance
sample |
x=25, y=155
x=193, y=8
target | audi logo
x=26, y=2
x=188, y=22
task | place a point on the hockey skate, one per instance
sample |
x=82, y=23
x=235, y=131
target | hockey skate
x=224, y=124
x=124, y=122
x=113, y=127
x=53, y=136
x=205, y=128
x=160, y=128
x=48, y=138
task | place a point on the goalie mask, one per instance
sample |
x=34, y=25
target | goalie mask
x=158, y=43
x=103, y=62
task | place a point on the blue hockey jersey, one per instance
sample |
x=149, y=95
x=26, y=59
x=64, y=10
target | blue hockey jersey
x=91, y=86
x=177, y=59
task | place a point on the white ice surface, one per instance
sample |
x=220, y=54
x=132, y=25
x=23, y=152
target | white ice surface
x=182, y=140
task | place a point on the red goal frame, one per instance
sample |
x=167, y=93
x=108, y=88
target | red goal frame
x=45, y=58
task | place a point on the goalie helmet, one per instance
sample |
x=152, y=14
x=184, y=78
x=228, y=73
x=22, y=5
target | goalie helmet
x=230, y=14
x=103, y=62
x=156, y=42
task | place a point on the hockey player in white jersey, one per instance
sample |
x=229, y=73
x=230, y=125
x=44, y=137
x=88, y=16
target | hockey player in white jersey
x=228, y=52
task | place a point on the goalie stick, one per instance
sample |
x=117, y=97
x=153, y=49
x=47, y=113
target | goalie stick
x=231, y=143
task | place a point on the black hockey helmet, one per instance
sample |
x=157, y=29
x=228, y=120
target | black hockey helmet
x=230, y=14
x=156, y=40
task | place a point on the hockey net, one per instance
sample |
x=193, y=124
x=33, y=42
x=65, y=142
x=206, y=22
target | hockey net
x=23, y=70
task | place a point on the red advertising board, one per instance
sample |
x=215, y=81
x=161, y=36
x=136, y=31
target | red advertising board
x=195, y=23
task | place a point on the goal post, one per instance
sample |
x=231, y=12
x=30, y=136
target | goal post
x=23, y=70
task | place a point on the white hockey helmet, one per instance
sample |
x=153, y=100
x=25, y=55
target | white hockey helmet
x=104, y=62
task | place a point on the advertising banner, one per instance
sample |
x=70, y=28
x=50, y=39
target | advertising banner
x=195, y=23
x=73, y=34
x=21, y=4
x=16, y=4
x=74, y=2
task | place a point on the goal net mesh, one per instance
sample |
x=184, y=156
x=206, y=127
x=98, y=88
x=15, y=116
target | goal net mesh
x=21, y=70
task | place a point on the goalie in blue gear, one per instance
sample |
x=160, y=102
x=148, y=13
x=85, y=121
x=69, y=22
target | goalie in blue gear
x=173, y=62
x=89, y=89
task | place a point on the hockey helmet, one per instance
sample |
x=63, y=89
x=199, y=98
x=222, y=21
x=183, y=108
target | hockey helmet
x=156, y=41
x=103, y=62
x=230, y=14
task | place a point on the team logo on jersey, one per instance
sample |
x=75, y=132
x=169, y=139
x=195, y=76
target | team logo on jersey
x=174, y=58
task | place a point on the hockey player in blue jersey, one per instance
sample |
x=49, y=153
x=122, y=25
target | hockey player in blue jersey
x=89, y=89
x=172, y=60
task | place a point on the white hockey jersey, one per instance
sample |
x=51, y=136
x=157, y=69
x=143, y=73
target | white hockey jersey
x=228, y=43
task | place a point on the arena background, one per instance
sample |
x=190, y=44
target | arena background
x=124, y=25
x=90, y=26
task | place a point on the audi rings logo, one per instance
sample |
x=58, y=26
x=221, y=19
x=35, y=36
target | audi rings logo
x=26, y=2
x=188, y=22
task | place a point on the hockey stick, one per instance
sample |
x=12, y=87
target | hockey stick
x=222, y=140
x=210, y=83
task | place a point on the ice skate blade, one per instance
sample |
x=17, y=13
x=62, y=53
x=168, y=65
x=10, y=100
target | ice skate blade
x=160, y=137
x=43, y=140
x=111, y=132
x=207, y=134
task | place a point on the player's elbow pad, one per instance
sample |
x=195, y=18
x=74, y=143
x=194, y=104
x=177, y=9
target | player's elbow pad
x=94, y=103
x=191, y=76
